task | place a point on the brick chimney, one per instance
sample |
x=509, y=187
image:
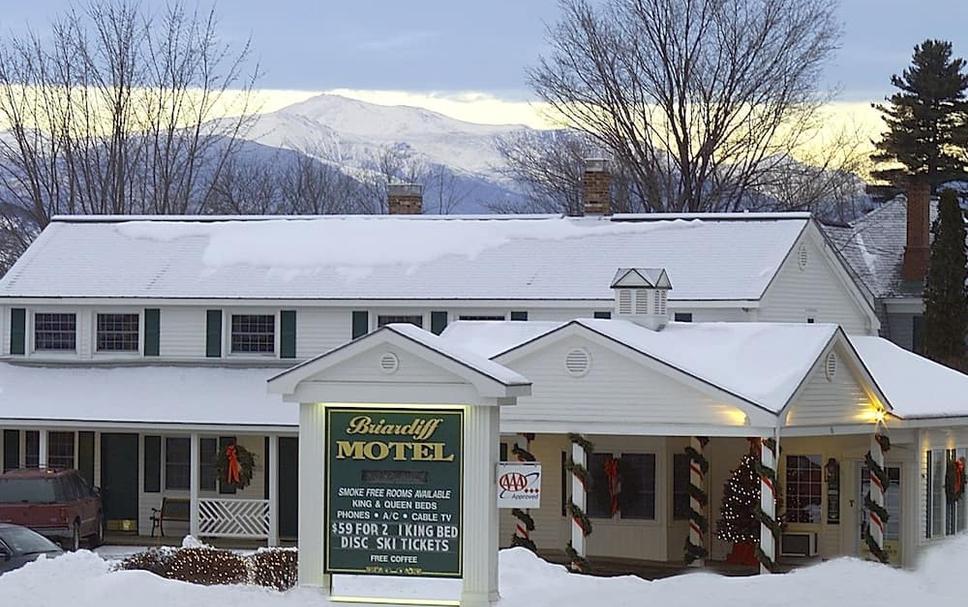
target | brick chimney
x=405, y=199
x=917, y=251
x=596, y=185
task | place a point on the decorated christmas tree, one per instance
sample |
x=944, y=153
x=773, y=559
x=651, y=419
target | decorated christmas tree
x=738, y=523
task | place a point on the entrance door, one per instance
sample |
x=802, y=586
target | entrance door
x=892, y=501
x=119, y=481
x=288, y=487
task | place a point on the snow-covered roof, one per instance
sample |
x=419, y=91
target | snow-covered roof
x=751, y=360
x=873, y=246
x=914, y=386
x=143, y=394
x=398, y=257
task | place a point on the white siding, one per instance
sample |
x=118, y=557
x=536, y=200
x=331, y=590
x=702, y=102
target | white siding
x=321, y=329
x=182, y=332
x=626, y=392
x=815, y=290
x=823, y=401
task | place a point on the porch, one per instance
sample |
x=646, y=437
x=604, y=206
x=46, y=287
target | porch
x=142, y=472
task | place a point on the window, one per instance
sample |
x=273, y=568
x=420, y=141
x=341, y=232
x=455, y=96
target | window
x=598, y=502
x=892, y=502
x=603, y=315
x=152, y=464
x=60, y=449
x=917, y=330
x=637, y=474
x=637, y=478
x=680, y=486
x=804, y=483
x=178, y=457
x=208, y=473
x=31, y=448
x=682, y=317
x=360, y=323
x=519, y=315
x=55, y=332
x=253, y=333
x=117, y=332
x=480, y=317
x=413, y=319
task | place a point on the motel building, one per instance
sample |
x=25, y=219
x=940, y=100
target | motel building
x=137, y=350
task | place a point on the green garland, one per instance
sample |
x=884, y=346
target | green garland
x=954, y=480
x=578, y=515
x=581, y=441
x=770, y=522
x=878, y=471
x=693, y=552
x=528, y=523
x=576, y=561
x=580, y=472
x=523, y=455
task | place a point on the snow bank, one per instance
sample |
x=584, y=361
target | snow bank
x=527, y=581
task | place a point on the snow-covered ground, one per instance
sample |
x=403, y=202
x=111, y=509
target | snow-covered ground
x=84, y=579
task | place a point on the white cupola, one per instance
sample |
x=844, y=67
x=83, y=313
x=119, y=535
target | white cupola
x=641, y=295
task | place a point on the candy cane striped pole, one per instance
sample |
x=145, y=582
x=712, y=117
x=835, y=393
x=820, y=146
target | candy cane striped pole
x=578, y=498
x=523, y=523
x=769, y=528
x=695, y=549
x=874, y=500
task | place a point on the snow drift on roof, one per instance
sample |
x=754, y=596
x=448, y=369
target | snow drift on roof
x=914, y=386
x=158, y=394
x=393, y=257
x=489, y=338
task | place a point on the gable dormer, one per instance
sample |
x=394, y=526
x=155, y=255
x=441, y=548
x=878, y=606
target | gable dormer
x=641, y=295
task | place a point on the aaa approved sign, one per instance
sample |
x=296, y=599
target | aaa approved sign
x=519, y=485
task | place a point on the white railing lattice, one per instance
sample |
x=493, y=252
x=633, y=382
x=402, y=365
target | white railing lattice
x=235, y=518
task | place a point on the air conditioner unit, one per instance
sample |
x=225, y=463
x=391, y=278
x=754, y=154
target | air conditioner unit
x=798, y=544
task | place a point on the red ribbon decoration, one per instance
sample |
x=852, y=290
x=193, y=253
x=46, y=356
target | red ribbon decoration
x=234, y=469
x=959, y=480
x=614, y=483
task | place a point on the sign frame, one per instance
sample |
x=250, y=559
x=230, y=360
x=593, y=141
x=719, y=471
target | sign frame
x=373, y=410
x=524, y=470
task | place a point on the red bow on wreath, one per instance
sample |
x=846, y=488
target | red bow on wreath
x=959, y=481
x=614, y=482
x=234, y=469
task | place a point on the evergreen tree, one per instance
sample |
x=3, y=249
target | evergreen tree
x=741, y=495
x=927, y=118
x=945, y=303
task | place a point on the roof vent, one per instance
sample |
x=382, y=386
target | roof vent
x=802, y=257
x=389, y=363
x=577, y=362
x=830, y=366
x=649, y=289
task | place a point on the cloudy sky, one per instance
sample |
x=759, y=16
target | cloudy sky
x=467, y=58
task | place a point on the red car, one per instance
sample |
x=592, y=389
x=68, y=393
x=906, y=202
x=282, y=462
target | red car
x=58, y=504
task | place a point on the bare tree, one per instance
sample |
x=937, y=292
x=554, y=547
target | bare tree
x=113, y=111
x=386, y=165
x=697, y=99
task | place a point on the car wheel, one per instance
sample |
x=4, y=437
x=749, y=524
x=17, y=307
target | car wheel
x=75, y=544
x=98, y=538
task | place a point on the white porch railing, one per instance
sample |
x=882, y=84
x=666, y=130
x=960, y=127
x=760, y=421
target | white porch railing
x=234, y=518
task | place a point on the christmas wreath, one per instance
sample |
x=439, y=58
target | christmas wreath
x=235, y=464
x=954, y=479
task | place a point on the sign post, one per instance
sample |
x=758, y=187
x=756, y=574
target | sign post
x=394, y=491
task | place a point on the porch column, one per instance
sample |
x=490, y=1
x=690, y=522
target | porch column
x=312, y=489
x=577, y=505
x=42, y=448
x=194, y=483
x=480, y=516
x=698, y=523
x=273, y=471
x=769, y=528
x=876, y=511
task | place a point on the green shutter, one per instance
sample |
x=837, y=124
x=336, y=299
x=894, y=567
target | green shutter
x=361, y=323
x=152, y=331
x=520, y=315
x=438, y=322
x=152, y=464
x=213, y=333
x=18, y=330
x=287, y=334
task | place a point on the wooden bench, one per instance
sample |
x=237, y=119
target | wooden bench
x=176, y=509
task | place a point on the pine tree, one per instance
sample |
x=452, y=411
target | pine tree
x=945, y=303
x=741, y=495
x=927, y=118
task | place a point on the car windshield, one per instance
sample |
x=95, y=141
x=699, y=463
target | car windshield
x=28, y=490
x=24, y=541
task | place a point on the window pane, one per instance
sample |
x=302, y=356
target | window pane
x=209, y=451
x=637, y=474
x=804, y=488
x=416, y=320
x=479, y=317
x=178, y=463
x=117, y=332
x=253, y=333
x=60, y=449
x=55, y=331
x=598, y=501
x=32, y=448
x=680, y=486
x=892, y=502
